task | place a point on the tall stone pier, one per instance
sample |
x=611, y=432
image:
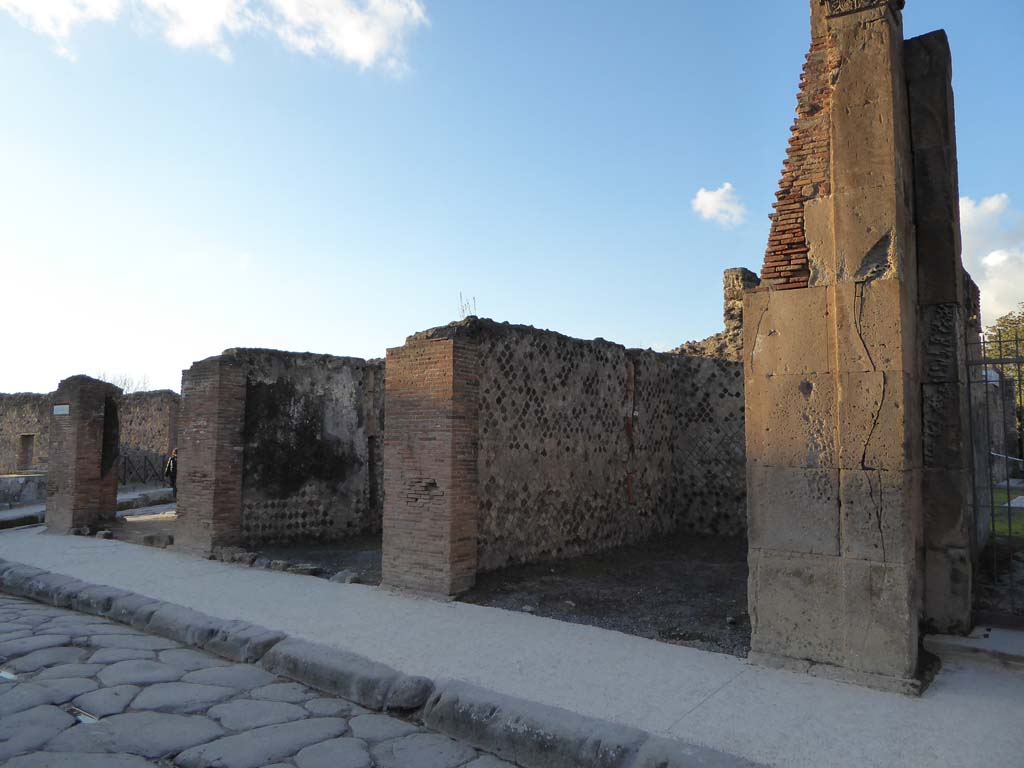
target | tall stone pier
x=832, y=358
x=84, y=442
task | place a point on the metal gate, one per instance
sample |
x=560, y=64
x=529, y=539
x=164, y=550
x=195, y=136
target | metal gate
x=135, y=468
x=996, y=406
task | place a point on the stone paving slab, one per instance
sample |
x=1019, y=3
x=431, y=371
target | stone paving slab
x=163, y=710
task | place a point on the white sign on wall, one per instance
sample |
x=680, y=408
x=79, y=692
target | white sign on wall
x=61, y=410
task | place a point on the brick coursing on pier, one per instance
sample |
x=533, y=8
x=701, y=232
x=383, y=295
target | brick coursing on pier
x=82, y=481
x=805, y=173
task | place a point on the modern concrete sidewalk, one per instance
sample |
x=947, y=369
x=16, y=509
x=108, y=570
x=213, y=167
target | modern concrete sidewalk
x=969, y=716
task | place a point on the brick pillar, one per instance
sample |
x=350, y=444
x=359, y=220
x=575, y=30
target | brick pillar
x=946, y=490
x=82, y=477
x=430, y=465
x=210, y=453
x=832, y=392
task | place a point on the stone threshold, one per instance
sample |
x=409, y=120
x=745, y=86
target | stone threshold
x=908, y=686
x=994, y=644
x=527, y=733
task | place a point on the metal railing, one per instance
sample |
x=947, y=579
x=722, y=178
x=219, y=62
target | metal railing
x=996, y=406
x=139, y=469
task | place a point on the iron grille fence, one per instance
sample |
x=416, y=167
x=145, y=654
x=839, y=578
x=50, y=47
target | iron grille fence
x=996, y=407
x=136, y=468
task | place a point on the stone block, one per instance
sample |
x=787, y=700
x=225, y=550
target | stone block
x=880, y=617
x=881, y=517
x=15, y=579
x=937, y=186
x=97, y=600
x=868, y=245
x=346, y=674
x=820, y=233
x=791, y=420
x=939, y=270
x=947, y=590
x=786, y=332
x=183, y=625
x=863, y=146
x=796, y=606
x=243, y=642
x=943, y=426
x=928, y=55
x=875, y=327
x=123, y=609
x=793, y=509
x=532, y=734
x=943, y=351
x=876, y=429
x=945, y=503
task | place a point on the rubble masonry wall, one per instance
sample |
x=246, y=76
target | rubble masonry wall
x=22, y=414
x=279, y=447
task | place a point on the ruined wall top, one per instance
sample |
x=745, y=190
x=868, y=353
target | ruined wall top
x=728, y=343
x=843, y=7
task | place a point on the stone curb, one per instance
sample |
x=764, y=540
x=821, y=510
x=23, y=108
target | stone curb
x=541, y=736
x=529, y=734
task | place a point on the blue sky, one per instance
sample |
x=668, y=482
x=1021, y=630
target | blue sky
x=182, y=176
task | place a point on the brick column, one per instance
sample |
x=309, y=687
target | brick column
x=82, y=477
x=947, y=483
x=430, y=466
x=210, y=456
x=832, y=393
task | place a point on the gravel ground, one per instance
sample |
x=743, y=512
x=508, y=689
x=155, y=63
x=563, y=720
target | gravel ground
x=79, y=691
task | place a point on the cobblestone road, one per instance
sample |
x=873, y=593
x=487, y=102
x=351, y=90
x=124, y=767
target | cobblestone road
x=79, y=691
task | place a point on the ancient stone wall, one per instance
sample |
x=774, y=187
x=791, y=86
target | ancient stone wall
x=24, y=432
x=585, y=445
x=580, y=445
x=149, y=424
x=728, y=343
x=277, y=447
x=308, y=471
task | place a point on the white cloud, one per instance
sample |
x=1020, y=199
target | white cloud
x=367, y=33
x=993, y=252
x=721, y=205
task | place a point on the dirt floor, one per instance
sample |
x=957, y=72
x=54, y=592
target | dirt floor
x=680, y=589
